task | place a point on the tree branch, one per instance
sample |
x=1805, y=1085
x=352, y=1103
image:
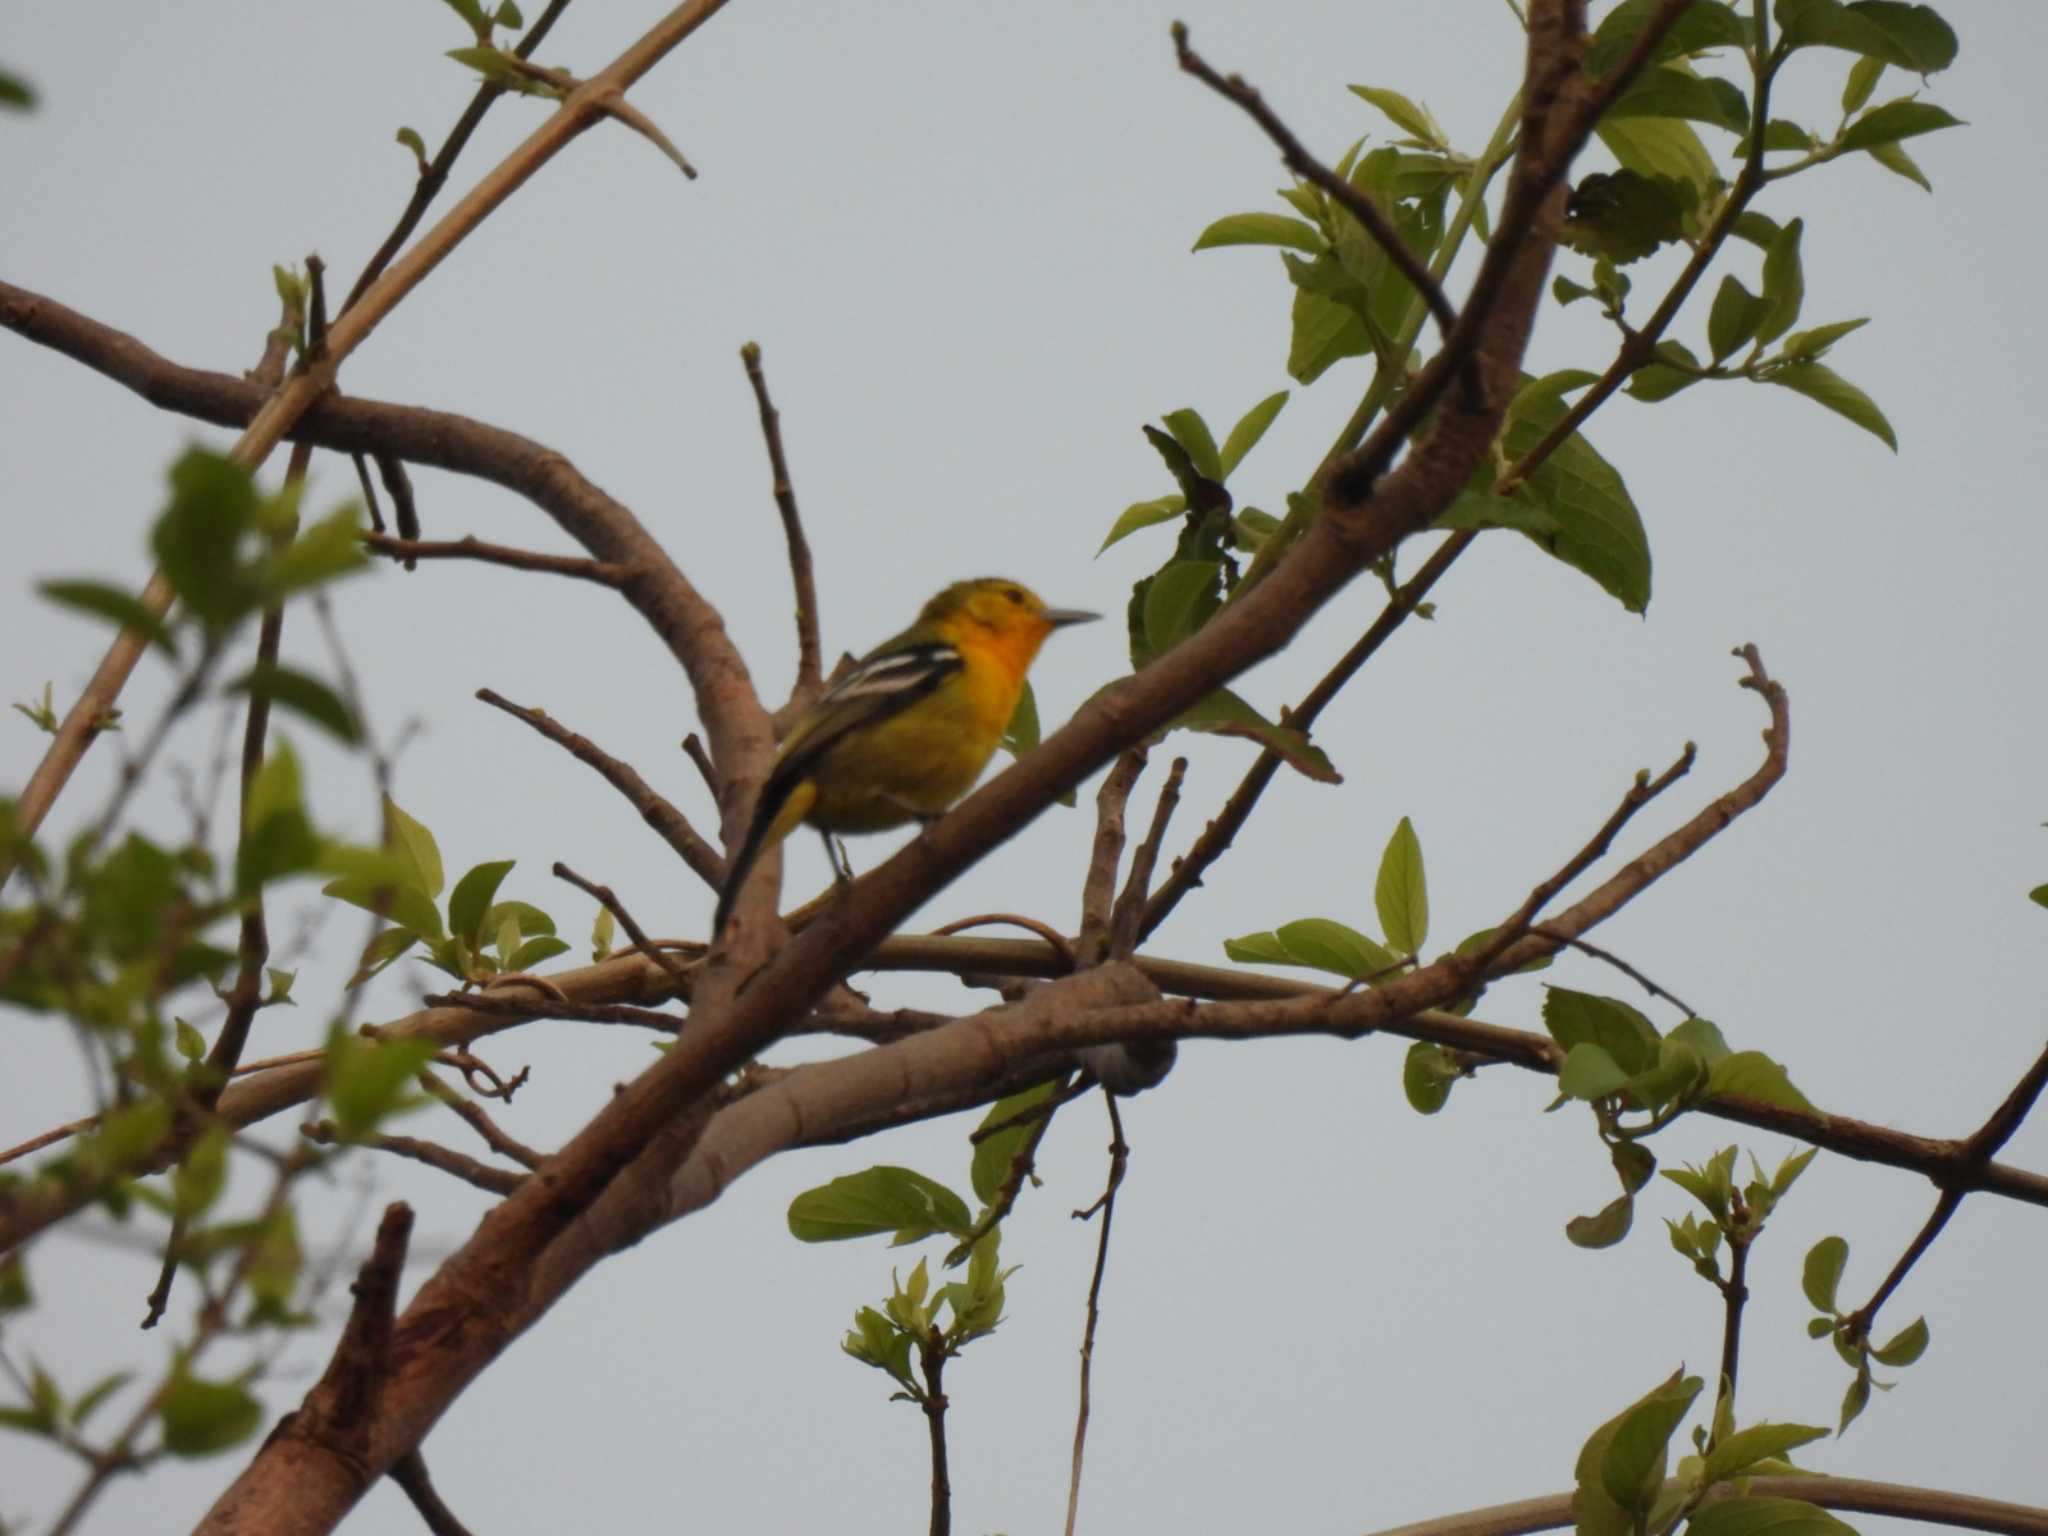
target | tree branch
x=469, y=547
x=809, y=666
x=669, y=824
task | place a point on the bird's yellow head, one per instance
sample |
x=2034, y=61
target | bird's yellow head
x=1005, y=617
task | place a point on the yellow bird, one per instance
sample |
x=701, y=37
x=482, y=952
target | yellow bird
x=910, y=728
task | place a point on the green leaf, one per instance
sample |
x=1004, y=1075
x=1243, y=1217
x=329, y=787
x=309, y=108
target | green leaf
x=1824, y=386
x=1861, y=82
x=366, y=1079
x=1589, y=1073
x=1784, y=283
x=116, y=604
x=1705, y=25
x=1427, y=1075
x=472, y=898
x=414, y=912
x=1402, y=113
x=15, y=92
x=381, y=951
x=1021, y=735
x=1317, y=942
x=1753, y=1075
x=1604, y=1228
x=1908, y=1345
x=190, y=1043
x=1855, y=1400
x=2039, y=895
x=1262, y=229
x=303, y=694
x=201, y=1175
x=1822, y=1274
x=1632, y=1466
x=1808, y=345
x=1249, y=429
x=198, y=541
x=15, y=1295
x=277, y=838
x=411, y=139
x=1704, y=1037
x=1899, y=163
x=321, y=553
x=1666, y=92
x=1622, y=1032
x=200, y=1417
x=1223, y=713
x=1143, y=514
x=1192, y=433
x=1623, y=216
x=1896, y=120
x=1184, y=595
x=994, y=1155
x=1765, y=1517
x=1400, y=893
x=1759, y=1442
x=876, y=1200
x=536, y=951
x=1323, y=332
x=1734, y=319
x=1913, y=37
x=413, y=843
x=89, y=1401
x=1661, y=148
x=1599, y=531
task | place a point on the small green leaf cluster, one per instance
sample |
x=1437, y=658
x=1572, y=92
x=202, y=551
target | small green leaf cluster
x=1401, y=902
x=908, y=1322
x=1736, y=1213
x=1203, y=573
x=482, y=937
x=1625, y=1486
x=1821, y=1279
x=228, y=552
x=1616, y=1061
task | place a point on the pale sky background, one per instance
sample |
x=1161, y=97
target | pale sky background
x=961, y=235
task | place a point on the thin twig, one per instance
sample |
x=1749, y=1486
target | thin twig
x=1045, y=931
x=693, y=748
x=931, y=1355
x=410, y=1473
x=612, y=904
x=434, y=175
x=1641, y=793
x=669, y=824
x=1119, y=1157
x=1975, y=1155
x=1021, y=1165
x=1130, y=906
x=809, y=665
x=1734, y=1296
x=603, y=573
x=479, y=1120
x=1621, y=965
x=496, y=1181
x=546, y=1007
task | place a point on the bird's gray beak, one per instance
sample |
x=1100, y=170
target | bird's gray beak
x=1059, y=618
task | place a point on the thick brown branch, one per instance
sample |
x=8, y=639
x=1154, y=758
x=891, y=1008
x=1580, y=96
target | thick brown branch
x=657, y=589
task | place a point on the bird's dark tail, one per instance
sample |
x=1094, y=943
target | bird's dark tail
x=781, y=806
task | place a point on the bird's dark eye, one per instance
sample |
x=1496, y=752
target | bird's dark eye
x=1014, y=595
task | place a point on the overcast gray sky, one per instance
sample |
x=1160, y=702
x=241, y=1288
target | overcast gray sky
x=961, y=234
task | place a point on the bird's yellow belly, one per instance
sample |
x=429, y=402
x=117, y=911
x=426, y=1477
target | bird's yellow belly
x=917, y=763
